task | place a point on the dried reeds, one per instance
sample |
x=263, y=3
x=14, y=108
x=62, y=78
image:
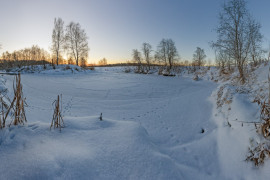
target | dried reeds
x=16, y=107
x=19, y=100
x=265, y=116
x=57, y=120
x=4, y=107
x=265, y=113
x=261, y=151
x=258, y=154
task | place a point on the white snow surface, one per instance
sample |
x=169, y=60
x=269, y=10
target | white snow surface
x=151, y=129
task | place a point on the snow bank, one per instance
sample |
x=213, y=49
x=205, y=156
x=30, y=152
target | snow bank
x=234, y=112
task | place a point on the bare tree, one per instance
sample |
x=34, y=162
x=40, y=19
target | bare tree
x=235, y=33
x=223, y=59
x=199, y=57
x=0, y=49
x=146, y=49
x=161, y=52
x=76, y=42
x=102, y=61
x=58, y=38
x=167, y=52
x=137, y=59
x=256, y=37
x=70, y=60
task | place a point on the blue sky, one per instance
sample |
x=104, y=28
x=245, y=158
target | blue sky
x=115, y=27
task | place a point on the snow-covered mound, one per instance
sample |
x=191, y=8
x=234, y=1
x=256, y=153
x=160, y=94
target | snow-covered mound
x=85, y=149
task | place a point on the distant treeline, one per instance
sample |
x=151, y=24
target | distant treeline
x=8, y=64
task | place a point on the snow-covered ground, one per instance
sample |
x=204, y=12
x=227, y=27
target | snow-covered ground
x=153, y=127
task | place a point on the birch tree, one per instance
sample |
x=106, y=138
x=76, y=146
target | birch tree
x=58, y=38
x=137, y=59
x=76, y=42
x=237, y=31
x=167, y=52
x=199, y=57
x=146, y=49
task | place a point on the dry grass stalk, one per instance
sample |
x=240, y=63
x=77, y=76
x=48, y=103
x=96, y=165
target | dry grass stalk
x=19, y=112
x=4, y=106
x=258, y=154
x=57, y=120
x=265, y=116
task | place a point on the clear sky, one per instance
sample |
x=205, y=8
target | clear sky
x=115, y=27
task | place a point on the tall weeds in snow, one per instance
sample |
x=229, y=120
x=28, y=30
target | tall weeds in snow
x=19, y=101
x=16, y=107
x=4, y=107
x=57, y=120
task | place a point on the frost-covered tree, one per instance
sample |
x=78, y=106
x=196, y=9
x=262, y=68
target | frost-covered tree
x=167, y=52
x=256, y=37
x=146, y=49
x=58, y=38
x=76, y=42
x=102, y=61
x=237, y=34
x=199, y=57
x=137, y=58
x=223, y=60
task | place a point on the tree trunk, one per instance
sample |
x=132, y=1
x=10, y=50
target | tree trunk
x=241, y=73
x=57, y=58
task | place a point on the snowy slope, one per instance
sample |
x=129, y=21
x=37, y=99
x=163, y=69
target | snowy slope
x=154, y=127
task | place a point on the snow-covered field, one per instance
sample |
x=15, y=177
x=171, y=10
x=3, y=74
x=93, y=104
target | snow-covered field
x=153, y=127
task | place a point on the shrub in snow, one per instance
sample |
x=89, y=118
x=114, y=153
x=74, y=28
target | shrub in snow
x=92, y=68
x=196, y=78
x=167, y=72
x=265, y=116
x=160, y=71
x=67, y=67
x=127, y=70
x=258, y=152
